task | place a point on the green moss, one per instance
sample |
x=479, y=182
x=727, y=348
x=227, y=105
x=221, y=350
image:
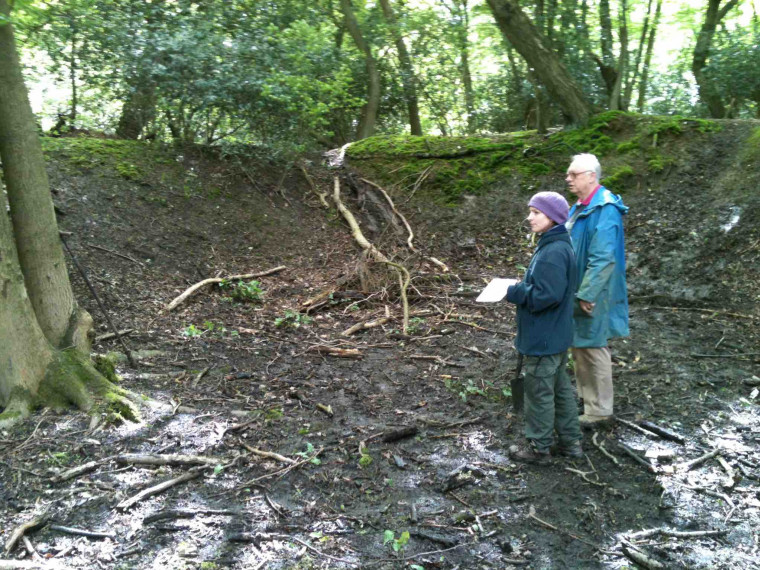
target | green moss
x=751, y=150
x=619, y=177
x=431, y=146
x=658, y=162
x=106, y=365
x=128, y=170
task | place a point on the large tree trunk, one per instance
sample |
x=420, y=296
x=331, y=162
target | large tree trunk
x=39, y=319
x=369, y=114
x=532, y=46
x=648, y=58
x=709, y=93
x=462, y=13
x=408, y=77
x=34, y=225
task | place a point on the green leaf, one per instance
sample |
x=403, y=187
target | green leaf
x=218, y=469
x=388, y=536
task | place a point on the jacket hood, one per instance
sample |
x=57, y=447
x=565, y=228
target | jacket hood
x=604, y=197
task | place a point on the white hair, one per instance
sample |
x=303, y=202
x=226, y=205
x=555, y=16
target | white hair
x=589, y=162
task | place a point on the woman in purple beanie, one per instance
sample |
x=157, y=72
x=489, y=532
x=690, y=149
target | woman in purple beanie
x=544, y=300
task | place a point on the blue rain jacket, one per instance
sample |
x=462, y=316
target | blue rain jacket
x=544, y=297
x=598, y=240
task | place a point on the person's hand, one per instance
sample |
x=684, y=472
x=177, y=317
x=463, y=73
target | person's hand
x=586, y=307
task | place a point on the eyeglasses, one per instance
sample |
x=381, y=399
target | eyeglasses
x=574, y=175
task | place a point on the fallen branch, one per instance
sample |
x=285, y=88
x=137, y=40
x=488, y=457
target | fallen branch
x=192, y=290
x=403, y=281
x=600, y=447
x=19, y=532
x=320, y=195
x=268, y=454
x=638, y=557
x=82, y=532
x=689, y=465
x=185, y=514
x=339, y=352
x=635, y=456
x=78, y=471
x=397, y=434
x=160, y=488
x=366, y=325
x=649, y=533
x=638, y=429
x=31, y=565
x=109, y=336
x=198, y=376
x=663, y=432
x=731, y=475
x=116, y=253
x=150, y=459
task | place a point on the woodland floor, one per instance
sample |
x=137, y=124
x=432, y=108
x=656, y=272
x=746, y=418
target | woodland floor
x=691, y=366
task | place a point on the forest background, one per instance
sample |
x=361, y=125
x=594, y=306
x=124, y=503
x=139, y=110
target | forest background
x=294, y=76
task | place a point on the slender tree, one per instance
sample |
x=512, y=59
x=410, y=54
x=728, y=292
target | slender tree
x=639, y=53
x=533, y=47
x=709, y=93
x=408, y=76
x=369, y=113
x=648, y=58
x=616, y=98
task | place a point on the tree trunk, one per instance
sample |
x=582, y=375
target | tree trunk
x=605, y=23
x=369, y=114
x=138, y=111
x=37, y=313
x=532, y=46
x=639, y=53
x=73, y=73
x=408, y=77
x=648, y=58
x=616, y=99
x=34, y=225
x=463, y=32
x=709, y=93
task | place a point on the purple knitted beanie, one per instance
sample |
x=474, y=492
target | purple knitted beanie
x=552, y=204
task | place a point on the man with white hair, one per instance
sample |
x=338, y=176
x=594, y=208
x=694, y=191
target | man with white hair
x=601, y=311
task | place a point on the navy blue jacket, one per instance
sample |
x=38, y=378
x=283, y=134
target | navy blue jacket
x=544, y=298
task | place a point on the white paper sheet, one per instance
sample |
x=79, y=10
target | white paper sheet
x=495, y=291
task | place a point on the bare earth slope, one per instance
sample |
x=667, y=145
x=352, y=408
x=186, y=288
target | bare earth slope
x=242, y=378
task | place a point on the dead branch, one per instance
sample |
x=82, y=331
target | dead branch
x=160, y=488
x=674, y=533
x=395, y=211
x=731, y=475
x=403, y=281
x=356, y=231
x=310, y=180
x=82, y=532
x=600, y=447
x=699, y=310
x=78, y=471
x=335, y=351
x=192, y=290
x=268, y=454
x=325, y=409
x=635, y=456
x=109, y=336
x=638, y=429
x=638, y=557
x=365, y=325
x=689, y=465
x=116, y=253
x=19, y=532
x=32, y=565
x=151, y=459
x=663, y=432
x=185, y=514
x=584, y=475
x=284, y=470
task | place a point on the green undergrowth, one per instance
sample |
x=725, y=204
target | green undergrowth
x=445, y=169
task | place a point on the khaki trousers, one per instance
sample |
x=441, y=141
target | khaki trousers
x=593, y=373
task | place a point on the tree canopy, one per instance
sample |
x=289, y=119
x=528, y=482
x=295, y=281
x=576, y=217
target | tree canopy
x=296, y=75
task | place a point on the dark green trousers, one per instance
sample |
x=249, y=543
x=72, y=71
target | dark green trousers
x=549, y=402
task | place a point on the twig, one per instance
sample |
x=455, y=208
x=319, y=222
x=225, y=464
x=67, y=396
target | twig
x=600, y=447
x=99, y=302
x=109, y=336
x=116, y=253
x=584, y=475
x=663, y=432
x=633, y=455
x=638, y=429
x=82, y=532
x=160, y=488
x=365, y=325
x=689, y=465
x=268, y=454
x=192, y=290
x=77, y=471
x=711, y=311
x=674, y=533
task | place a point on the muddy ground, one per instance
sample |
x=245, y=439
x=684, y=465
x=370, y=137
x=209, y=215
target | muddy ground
x=227, y=380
